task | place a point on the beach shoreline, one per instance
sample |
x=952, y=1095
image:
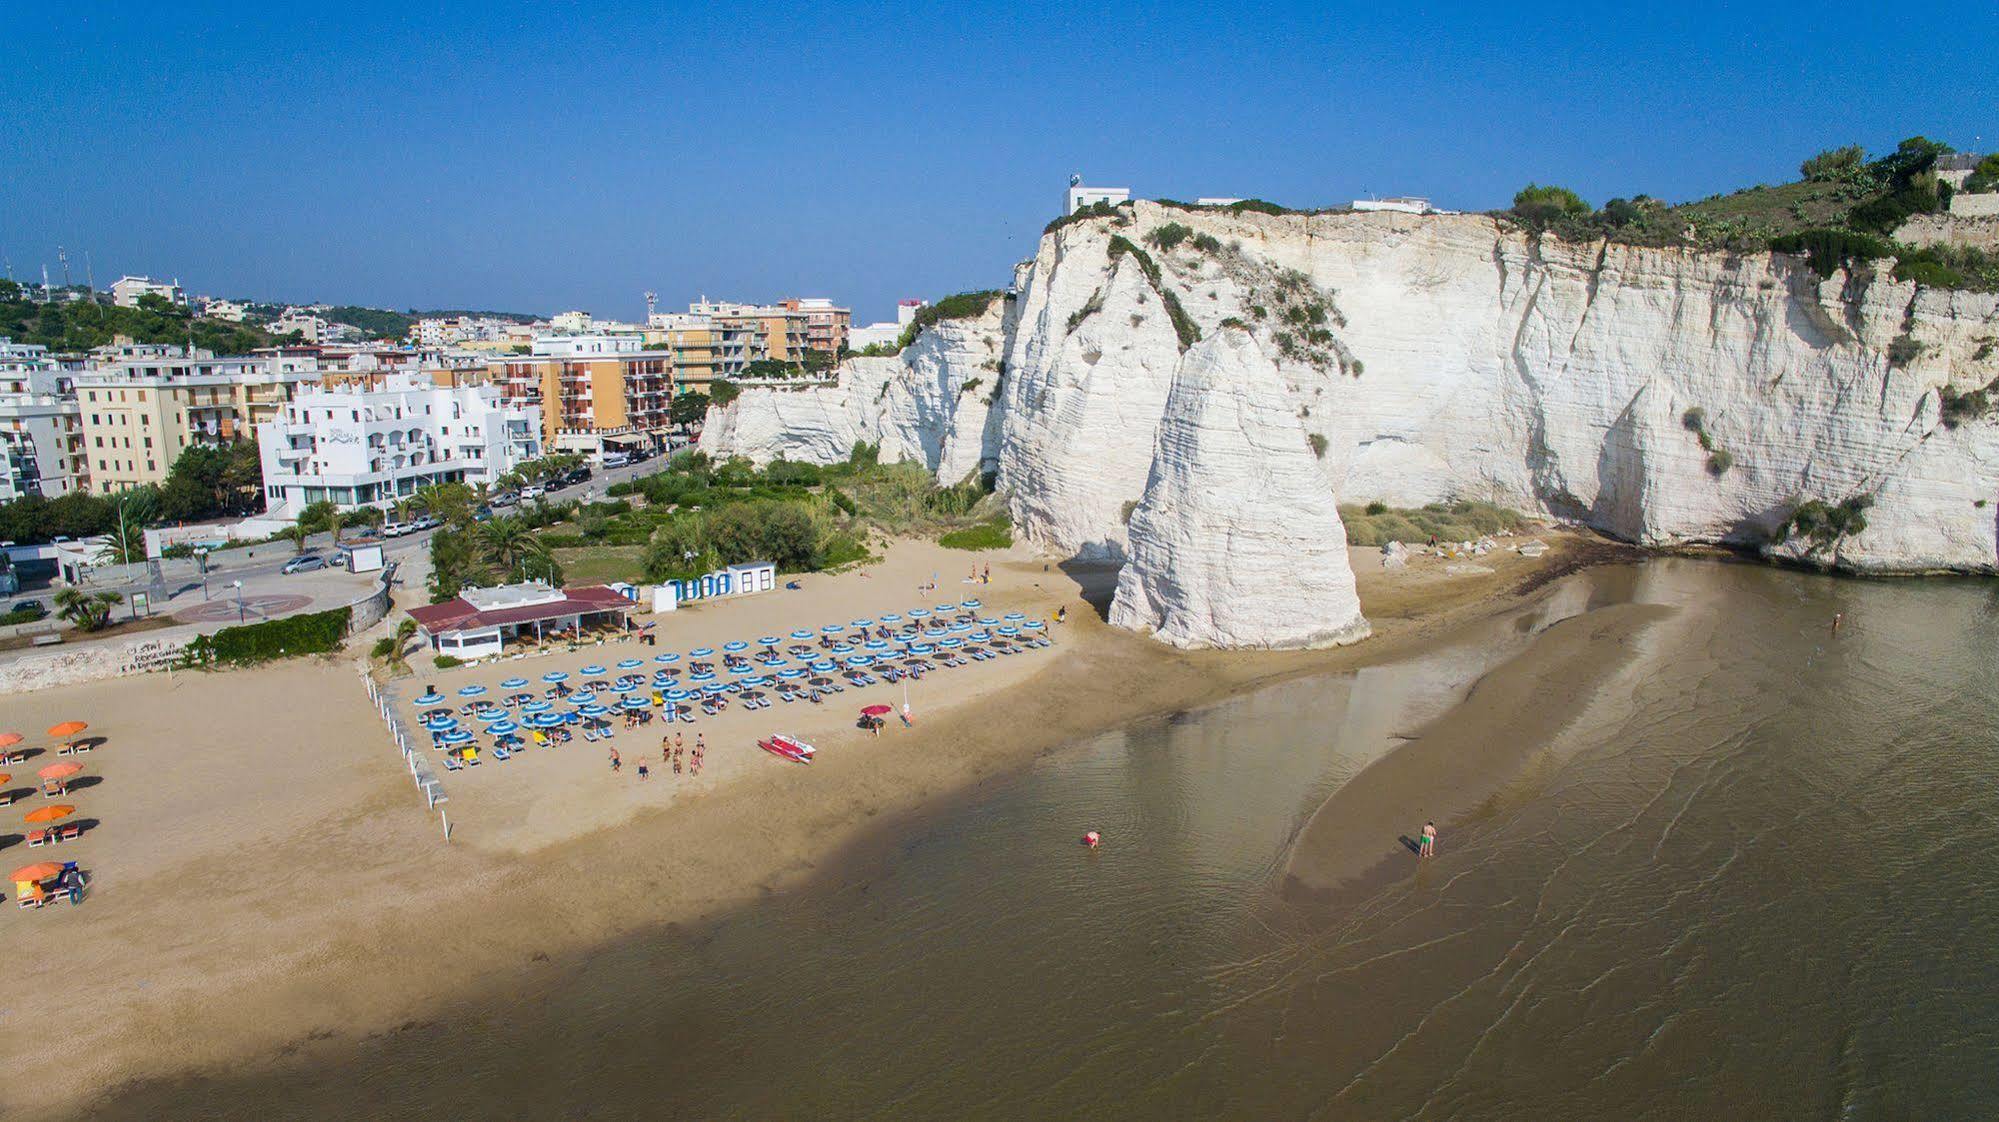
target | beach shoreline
x=342, y=913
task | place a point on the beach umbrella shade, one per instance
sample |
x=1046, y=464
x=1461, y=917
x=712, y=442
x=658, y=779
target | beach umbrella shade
x=978, y=637
x=876, y=710
x=1015, y=617
x=954, y=641
x=919, y=613
x=875, y=645
x=513, y=683
x=819, y=682
x=591, y=669
x=60, y=771
x=701, y=652
x=581, y=697
x=441, y=724
x=489, y=716
x=677, y=695
x=666, y=659
x=39, y=871
x=630, y=663
x=503, y=728
x=635, y=703
x=9, y=739
x=456, y=736
x=431, y=698
x=471, y=691
x=789, y=675
x=67, y=729
x=833, y=629
x=545, y=721
x=860, y=623
x=537, y=707
x=890, y=617
x=968, y=605
x=735, y=645
x=555, y=676
x=1034, y=625
x=769, y=641
x=824, y=665
x=859, y=660
x=592, y=711
x=54, y=813
x=802, y=633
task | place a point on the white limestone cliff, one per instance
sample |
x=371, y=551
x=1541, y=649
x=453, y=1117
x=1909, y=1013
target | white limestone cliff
x=1663, y=396
x=1238, y=540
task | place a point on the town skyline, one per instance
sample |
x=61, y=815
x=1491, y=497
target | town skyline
x=366, y=157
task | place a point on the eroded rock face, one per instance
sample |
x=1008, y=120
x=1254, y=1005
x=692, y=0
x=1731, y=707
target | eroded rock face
x=1660, y=395
x=1238, y=541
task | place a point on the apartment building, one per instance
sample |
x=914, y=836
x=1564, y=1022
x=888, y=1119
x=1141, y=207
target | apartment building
x=588, y=400
x=41, y=434
x=784, y=331
x=369, y=445
x=139, y=413
x=125, y=291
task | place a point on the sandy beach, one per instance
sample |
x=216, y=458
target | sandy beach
x=265, y=878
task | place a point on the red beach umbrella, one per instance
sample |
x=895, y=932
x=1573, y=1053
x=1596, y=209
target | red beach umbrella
x=876, y=710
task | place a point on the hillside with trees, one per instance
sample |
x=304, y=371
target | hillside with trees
x=79, y=325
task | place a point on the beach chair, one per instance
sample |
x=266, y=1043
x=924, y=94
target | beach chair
x=37, y=837
x=451, y=763
x=500, y=753
x=589, y=737
x=69, y=830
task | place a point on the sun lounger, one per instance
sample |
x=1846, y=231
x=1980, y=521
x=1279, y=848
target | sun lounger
x=69, y=830
x=501, y=753
x=589, y=737
x=37, y=837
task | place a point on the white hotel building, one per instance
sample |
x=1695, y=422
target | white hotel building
x=41, y=426
x=372, y=446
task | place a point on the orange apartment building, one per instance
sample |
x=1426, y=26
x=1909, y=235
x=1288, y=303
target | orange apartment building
x=588, y=401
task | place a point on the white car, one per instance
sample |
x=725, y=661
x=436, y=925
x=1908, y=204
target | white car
x=532, y=492
x=397, y=529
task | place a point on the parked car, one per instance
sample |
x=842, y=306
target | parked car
x=532, y=491
x=304, y=563
x=427, y=523
x=580, y=475
x=503, y=499
x=397, y=529
x=616, y=460
x=34, y=609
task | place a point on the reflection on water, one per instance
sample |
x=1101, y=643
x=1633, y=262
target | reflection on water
x=1751, y=883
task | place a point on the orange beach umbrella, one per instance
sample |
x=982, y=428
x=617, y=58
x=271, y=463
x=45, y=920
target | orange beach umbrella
x=67, y=728
x=60, y=771
x=40, y=870
x=9, y=739
x=50, y=813
x=5, y=776
x=875, y=710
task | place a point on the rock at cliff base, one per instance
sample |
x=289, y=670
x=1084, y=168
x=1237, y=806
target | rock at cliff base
x=1237, y=541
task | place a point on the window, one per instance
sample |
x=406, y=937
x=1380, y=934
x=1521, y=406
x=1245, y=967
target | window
x=100, y=442
x=150, y=467
x=149, y=442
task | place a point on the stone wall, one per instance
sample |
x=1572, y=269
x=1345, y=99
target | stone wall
x=1980, y=231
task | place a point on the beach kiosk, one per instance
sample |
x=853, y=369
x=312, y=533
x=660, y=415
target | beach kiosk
x=478, y=622
x=751, y=577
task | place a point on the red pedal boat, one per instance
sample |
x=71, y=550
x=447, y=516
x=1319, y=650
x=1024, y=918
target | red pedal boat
x=789, y=747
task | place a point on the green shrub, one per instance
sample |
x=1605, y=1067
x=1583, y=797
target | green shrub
x=1835, y=165
x=312, y=633
x=1184, y=326
x=1257, y=206
x=1694, y=420
x=1903, y=351
x=1170, y=235
x=1460, y=520
x=383, y=648
x=24, y=615
x=1824, y=524
x=996, y=534
x=1206, y=243
x=446, y=662
x=1827, y=249
x=1318, y=443
x=1956, y=408
x=1540, y=204
x=1719, y=461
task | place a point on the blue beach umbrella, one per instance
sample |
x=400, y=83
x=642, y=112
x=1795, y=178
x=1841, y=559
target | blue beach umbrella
x=859, y=660
x=919, y=613
x=988, y=621
x=630, y=663
x=430, y=698
x=734, y=645
x=1009, y=630
x=952, y=643
x=843, y=649
x=503, y=728
x=513, y=683
x=635, y=703
x=701, y=652
x=968, y=605
x=792, y=674
x=890, y=617
x=1034, y=625
x=769, y=641
x=666, y=659
x=581, y=697
x=488, y=716
x=441, y=724
x=1015, y=617
x=591, y=670
x=677, y=695
x=455, y=736
x=921, y=648
x=545, y=721
x=802, y=633
x=861, y=623
x=978, y=636
x=471, y=691
x=591, y=711
x=876, y=645
x=824, y=666
x=554, y=676
x=704, y=676
x=961, y=626
x=536, y=707
x=713, y=689
x=833, y=628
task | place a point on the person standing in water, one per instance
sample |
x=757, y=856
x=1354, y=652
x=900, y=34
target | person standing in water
x=1429, y=848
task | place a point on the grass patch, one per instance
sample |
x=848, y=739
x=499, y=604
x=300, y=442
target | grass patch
x=996, y=534
x=1462, y=520
x=602, y=564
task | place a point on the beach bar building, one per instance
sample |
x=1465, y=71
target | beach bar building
x=478, y=622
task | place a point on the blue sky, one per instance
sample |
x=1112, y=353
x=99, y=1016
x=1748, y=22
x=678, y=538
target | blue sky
x=545, y=156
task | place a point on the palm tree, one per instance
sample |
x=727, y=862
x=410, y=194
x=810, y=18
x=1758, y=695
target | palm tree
x=296, y=533
x=89, y=611
x=509, y=545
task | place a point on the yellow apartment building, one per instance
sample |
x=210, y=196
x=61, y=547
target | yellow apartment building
x=139, y=415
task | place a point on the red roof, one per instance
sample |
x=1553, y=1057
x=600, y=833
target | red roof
x=457, y=614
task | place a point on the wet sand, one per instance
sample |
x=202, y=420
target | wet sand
x=266, y=878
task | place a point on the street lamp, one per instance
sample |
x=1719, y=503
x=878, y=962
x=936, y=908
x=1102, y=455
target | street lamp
x=241, y=615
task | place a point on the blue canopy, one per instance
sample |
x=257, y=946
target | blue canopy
x=860, y=623
x=555, y=676
x=431, y=698
x=536, y=707
x=978, y=636
x=921, y=648
x=455, y=736
x=502, y=728
x=919, y=613
x=488, y=716
x=1034, y=625
x=678, y=695
x=792, y=673
x=961, y=626
x=859, y=660
x=890, y=617
x=824, y=665
x=876, y=645
x=591, y=669
x=513, y=683
x=700, y=652
x=843, y=649
x=441, y=724
x=988, y=621
x=802, y=633
x=471, y=691
x=591, y=710
x=834, y=628
x=666, y=659
x=635, y=703
x=735, y=645
x=968, y=604
x=1009, y=629
x=952, y=642
x=713, y=690
x=630, y=663
x=704, y=676
x=545, y=720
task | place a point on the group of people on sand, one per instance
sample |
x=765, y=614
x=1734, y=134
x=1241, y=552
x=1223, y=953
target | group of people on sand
x=673, y=753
